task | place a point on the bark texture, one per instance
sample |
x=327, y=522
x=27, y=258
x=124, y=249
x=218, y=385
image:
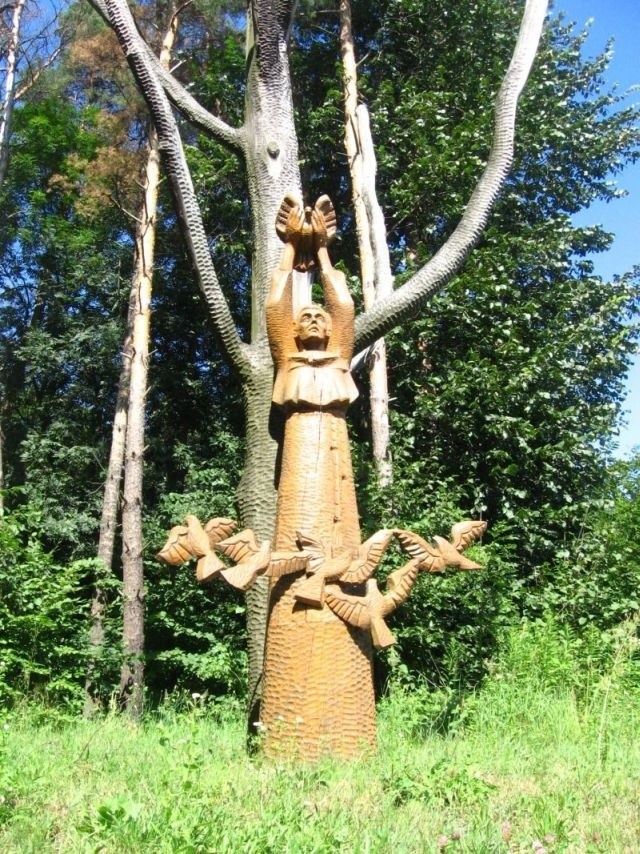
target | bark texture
x=271, y=154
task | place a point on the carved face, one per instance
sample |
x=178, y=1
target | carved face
x=313, y=327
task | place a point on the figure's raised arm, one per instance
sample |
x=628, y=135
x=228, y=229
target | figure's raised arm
x=280, y=301
x=337, y=298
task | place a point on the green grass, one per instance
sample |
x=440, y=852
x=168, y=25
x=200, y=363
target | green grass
x=521, y=766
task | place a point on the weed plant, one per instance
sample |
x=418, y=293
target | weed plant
x=544, y=757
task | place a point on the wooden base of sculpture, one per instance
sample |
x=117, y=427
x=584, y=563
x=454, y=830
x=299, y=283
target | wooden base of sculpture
x=318, y=696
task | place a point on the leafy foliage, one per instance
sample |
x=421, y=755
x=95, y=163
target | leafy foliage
x=43, y=615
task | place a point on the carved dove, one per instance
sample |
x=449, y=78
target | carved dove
x=343, y=568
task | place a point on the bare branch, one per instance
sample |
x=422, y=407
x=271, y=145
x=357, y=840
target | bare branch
x=170, y=144
x=34, y=75
x=178, y=95
x=449, y=259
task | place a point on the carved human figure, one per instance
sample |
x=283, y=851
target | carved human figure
x=313, y=656
x=325, y=608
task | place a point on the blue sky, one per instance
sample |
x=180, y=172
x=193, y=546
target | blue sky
x=619, y=19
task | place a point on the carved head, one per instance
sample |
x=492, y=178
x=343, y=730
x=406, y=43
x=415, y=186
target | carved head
x=312, y=327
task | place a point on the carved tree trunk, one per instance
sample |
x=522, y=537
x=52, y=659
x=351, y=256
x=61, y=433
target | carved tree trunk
x=132, y=673
x=9, y=94
x=268, y=143
x=271, y=153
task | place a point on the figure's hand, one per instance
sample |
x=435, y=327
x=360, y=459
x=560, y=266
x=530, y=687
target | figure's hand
x=320, y=237
x=290, y=220
x=294, y=226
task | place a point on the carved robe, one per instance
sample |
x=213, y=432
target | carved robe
x=312, y=656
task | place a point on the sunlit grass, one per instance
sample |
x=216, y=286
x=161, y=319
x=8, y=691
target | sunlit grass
x=521, y=766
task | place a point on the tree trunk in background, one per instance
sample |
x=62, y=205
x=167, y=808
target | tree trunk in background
x=110, y=507
x=375, y=268
x=9, y=94
x=132, y=673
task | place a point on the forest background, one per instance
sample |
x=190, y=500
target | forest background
x=506, y=392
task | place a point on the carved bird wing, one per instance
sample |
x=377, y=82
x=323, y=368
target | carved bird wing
x=430, y=558
x=289, y=203
x=369, y=556
x=240, y=547
x=177, y=548
x=286, y=563
x=324, y=206
x=362, y=612
x=218, y=529
x=399, y=584
x=465, y=533
x=354, y=610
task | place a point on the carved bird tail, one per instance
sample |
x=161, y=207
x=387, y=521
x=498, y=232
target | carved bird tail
x=381, y=633
x=311, y=590
x=208, y=567
x=241, y=576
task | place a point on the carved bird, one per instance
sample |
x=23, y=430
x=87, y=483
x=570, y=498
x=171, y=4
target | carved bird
x=209, y=566
x=434, y=558
x=184, y=542
x=344, y=568
x=305, y=247
x=192, y=540
x=251, y=560
x=369, y=611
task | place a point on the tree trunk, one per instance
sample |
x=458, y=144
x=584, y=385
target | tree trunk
x=132, y=673
x=9, y=95
x=110, y=508
x=375, y=268
x=272, y=168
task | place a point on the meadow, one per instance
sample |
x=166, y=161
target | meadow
x=534, y=760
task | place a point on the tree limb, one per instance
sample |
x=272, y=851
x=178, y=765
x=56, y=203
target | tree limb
x=170, y=144
x=177, y=94
x=35, y=75
x=404, y=302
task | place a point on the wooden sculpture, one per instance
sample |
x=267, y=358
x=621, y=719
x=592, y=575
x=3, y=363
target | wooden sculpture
x=326, y=611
